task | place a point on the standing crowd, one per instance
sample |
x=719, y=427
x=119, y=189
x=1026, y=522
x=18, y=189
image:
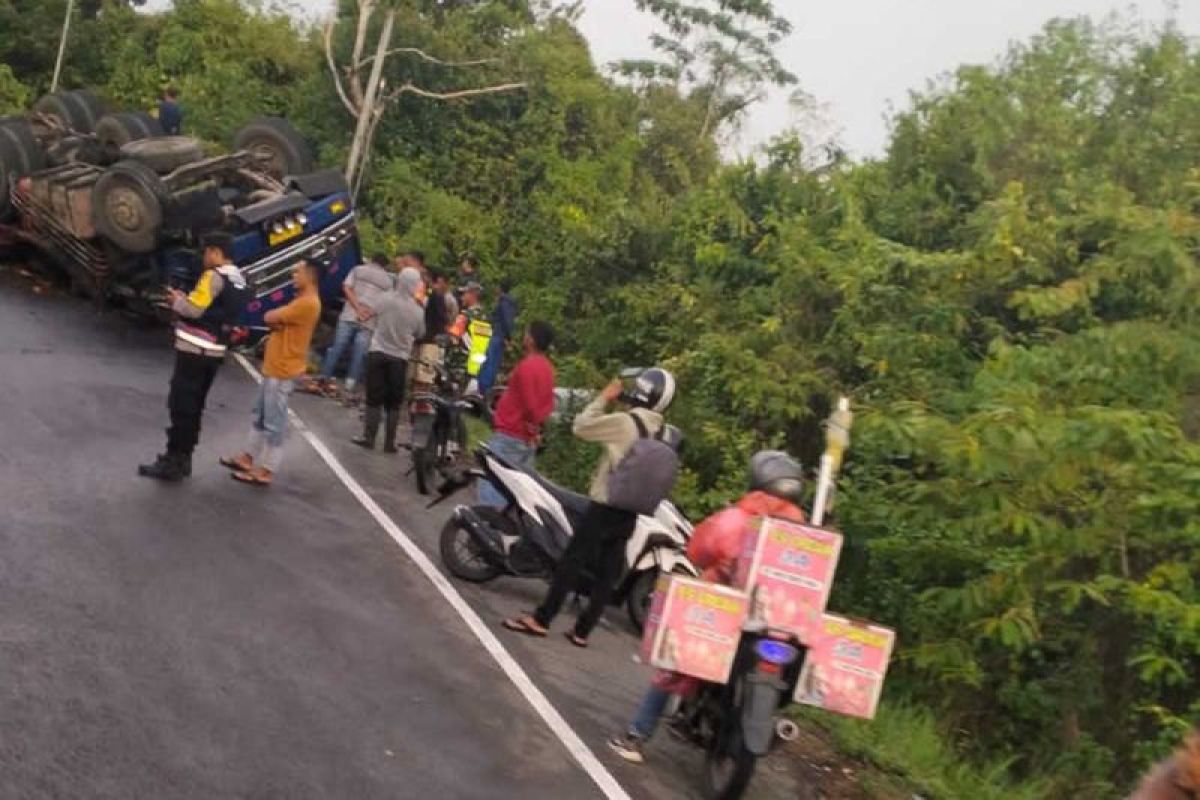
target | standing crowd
x=396, y=309
x=393, y=310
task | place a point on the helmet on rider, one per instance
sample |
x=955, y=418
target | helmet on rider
x=777, y=474
x=654, y=389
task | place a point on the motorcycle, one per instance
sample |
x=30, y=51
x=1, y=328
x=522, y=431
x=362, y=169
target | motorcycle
x=439, y=430
x=527, y=538
x=735, y=723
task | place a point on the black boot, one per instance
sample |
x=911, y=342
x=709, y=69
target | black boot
x=391, y=422
x=371, y=419
x=167, y=467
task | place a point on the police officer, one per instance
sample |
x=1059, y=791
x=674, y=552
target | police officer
x=205, y=319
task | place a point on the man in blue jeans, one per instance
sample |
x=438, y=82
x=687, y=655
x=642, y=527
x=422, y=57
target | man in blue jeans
x=286, y=360
x=362, y=287
x=527, y=403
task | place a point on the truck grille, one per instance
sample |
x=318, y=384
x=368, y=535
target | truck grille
x=274, y=271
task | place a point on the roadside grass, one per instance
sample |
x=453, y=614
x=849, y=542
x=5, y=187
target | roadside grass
x=904, y=741
x=478, y=431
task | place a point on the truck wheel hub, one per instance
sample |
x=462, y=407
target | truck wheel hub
x=125, y=208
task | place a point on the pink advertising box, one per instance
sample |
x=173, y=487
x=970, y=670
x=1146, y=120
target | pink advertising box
x=845, y=667
x=792, y=566
x=694, y=627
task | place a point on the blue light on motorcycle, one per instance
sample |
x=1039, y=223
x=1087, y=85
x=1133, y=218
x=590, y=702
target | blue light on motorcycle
x=776, y=652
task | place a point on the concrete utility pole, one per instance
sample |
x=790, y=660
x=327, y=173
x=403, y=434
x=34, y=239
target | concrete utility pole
x=62, y=46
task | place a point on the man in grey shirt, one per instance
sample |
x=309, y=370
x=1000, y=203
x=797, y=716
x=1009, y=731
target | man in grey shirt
x=362, y=287
x=399, y=322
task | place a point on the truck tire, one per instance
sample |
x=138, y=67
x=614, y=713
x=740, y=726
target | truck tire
x=70, y=108
x=164, y=154
x=26, y=154
x=114, y=131
x=127, y=206
x=92, y=104
x=280, y=146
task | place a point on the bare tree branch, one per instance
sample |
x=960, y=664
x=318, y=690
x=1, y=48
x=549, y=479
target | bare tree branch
x=426, y=57
x=337, y=80
x=408, y=88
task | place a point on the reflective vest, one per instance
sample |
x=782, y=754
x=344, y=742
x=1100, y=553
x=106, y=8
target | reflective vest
x=479, y=333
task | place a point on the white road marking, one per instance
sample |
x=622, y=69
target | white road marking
x=525, y=685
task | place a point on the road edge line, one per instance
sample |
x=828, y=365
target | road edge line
x=582, y=754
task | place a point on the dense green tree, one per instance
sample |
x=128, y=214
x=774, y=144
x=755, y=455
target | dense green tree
x=1009, y=295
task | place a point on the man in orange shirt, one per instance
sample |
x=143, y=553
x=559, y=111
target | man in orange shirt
x=286, y=360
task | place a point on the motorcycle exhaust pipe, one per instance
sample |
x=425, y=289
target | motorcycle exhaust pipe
x=786, y=730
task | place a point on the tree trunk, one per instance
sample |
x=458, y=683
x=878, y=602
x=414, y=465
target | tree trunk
x=366, y=112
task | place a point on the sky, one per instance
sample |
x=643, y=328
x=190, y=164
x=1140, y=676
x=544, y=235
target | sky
x=858, y=58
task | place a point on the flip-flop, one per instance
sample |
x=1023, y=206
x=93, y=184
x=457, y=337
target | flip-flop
x=250, y=479
x=233, y=464
x=520, y=626
x=578, y=641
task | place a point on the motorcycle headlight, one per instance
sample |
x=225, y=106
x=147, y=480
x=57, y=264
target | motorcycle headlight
x=778, y=653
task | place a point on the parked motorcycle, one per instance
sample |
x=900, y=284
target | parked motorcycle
x=736, y=722
x=528, y=537
x=439, y=430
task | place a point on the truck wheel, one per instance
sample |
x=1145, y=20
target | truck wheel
x=92, y=105
x=281, y=148
x=127, y=206
x=114, y=131
x=25, y=154
x=164, y=153
x=71, y=108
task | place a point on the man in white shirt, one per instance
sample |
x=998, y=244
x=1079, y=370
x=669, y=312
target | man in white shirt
x=362, y=287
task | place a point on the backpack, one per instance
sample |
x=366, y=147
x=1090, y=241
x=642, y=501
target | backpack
x=646, y=475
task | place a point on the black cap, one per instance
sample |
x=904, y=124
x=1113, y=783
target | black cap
x=220, y=240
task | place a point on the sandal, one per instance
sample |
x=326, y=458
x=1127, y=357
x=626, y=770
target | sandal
x=525, y=626
x=253, y=478
x=238, y=464
x=576, y=639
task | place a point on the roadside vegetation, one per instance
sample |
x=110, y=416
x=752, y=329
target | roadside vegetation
x=1009, y=294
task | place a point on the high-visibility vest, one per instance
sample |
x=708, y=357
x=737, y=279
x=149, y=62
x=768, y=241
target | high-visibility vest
x=479, y=333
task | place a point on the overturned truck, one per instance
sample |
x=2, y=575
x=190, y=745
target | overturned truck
x=120, y=208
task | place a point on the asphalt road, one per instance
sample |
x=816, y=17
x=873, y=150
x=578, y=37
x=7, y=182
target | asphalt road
x=212, y=640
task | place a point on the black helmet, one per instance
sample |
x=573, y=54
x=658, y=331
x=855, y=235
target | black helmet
x=653, y=388
x=778, y=474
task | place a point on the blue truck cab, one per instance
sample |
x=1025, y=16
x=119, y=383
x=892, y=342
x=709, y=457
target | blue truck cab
x=269, y=238
x=323, y=232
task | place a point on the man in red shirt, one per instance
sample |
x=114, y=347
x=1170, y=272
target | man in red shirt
x=527, y=402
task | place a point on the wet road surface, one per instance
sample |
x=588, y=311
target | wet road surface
x=213, y=640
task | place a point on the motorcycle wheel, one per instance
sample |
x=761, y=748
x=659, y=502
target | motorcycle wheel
x=461, y=555
x=728, y=766
x=637, y=601
x=425, y=466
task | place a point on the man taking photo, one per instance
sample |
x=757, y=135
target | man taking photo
x=205, y=319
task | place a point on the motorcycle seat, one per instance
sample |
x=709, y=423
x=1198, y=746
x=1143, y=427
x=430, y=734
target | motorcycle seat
x=573, y=504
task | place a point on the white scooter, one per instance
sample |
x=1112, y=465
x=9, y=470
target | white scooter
x=528, y=537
